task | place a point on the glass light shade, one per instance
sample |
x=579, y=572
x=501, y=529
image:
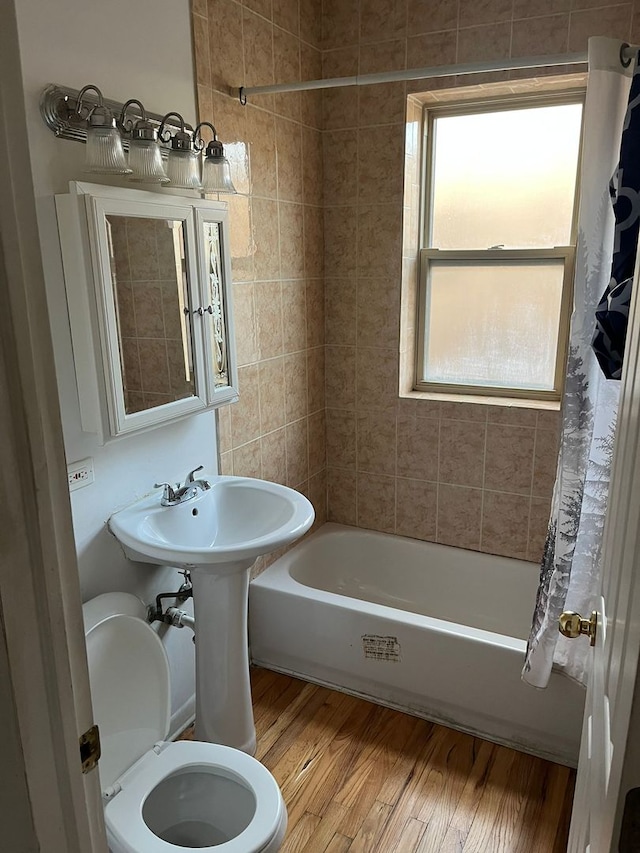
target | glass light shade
x=182, y=169
x=105, y=154
x=216, y=175
x=145, y=161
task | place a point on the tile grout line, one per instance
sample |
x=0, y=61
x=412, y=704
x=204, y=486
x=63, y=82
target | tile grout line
x=437, y=534
x=533, y=469
x=484, y=474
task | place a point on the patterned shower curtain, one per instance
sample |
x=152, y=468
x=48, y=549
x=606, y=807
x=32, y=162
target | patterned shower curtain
x=570, y=571
x=612, y=313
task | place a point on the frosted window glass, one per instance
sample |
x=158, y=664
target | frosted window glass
x=493, y=324
x=505, y=177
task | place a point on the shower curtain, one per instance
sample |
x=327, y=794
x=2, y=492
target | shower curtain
x=570, y=571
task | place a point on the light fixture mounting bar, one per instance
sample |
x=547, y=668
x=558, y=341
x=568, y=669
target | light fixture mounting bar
x=58, y=109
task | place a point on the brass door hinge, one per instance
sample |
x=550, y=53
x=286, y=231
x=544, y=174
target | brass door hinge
x=90, y=749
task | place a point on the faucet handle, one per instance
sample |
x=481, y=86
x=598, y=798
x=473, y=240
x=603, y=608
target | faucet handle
x=190, y=478
x=168, y=495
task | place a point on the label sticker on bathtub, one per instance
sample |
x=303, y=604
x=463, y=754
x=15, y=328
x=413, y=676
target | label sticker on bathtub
x=378, y=647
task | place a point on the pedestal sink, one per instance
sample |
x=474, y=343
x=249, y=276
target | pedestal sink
x=218, y=535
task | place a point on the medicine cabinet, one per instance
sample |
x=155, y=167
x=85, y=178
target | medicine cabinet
x=148, y=284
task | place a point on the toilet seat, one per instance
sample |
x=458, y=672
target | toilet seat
x=124, y=813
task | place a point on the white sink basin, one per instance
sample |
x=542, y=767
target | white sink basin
x=237, y=519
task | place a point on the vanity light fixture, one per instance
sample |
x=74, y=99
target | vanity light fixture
x=183, y=163
x=216, y=170
x=145, y=158
x=163, y=150
x=105, y=154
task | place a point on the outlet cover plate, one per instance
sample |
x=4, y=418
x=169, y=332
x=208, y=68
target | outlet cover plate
x=80, y=474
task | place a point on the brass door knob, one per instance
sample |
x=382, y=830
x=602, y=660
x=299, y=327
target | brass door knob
x=572, y=625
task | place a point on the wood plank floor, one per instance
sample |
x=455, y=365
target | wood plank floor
x=365, y=779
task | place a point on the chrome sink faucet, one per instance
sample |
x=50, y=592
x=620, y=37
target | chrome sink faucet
x=180, y=494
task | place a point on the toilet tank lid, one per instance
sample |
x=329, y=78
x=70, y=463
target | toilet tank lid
x=129, y=675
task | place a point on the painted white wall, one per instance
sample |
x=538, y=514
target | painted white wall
x=128, y=48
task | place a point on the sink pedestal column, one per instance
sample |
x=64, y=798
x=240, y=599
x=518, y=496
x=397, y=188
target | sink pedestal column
x=223, y=691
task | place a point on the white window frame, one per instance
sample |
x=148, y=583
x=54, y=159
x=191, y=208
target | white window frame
x=428, y=254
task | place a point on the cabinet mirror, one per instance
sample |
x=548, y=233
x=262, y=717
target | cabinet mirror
x=153, y=311
x=156, y=299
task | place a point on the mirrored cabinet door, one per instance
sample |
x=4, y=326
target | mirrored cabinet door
x=144, y=258
x=161, y=285
x=216, y=300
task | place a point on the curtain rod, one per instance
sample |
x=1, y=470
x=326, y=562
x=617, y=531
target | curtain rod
x=626, y=53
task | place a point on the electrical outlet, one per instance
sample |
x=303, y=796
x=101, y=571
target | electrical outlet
x=80, y=474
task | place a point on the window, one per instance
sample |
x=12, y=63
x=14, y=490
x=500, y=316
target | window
x=496, y=270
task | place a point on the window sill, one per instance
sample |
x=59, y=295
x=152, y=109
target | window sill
x=482, y=400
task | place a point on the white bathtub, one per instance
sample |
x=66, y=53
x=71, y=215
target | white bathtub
x=436, y=631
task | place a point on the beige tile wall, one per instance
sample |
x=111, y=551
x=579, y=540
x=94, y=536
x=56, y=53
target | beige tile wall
x=474, y=476
x=277, y=430
x=329, y=168
x=477, y=476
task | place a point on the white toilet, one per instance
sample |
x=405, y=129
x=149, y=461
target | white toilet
x=165, y=797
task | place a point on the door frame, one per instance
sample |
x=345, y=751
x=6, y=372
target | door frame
x=40, y=605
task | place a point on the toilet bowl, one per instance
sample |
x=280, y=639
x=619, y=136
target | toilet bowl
x=163, y=797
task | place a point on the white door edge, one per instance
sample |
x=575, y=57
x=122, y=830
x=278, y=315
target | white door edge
x=600, y=792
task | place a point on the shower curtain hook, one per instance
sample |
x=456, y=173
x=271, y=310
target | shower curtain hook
x=243, y=98
x=623, y=60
